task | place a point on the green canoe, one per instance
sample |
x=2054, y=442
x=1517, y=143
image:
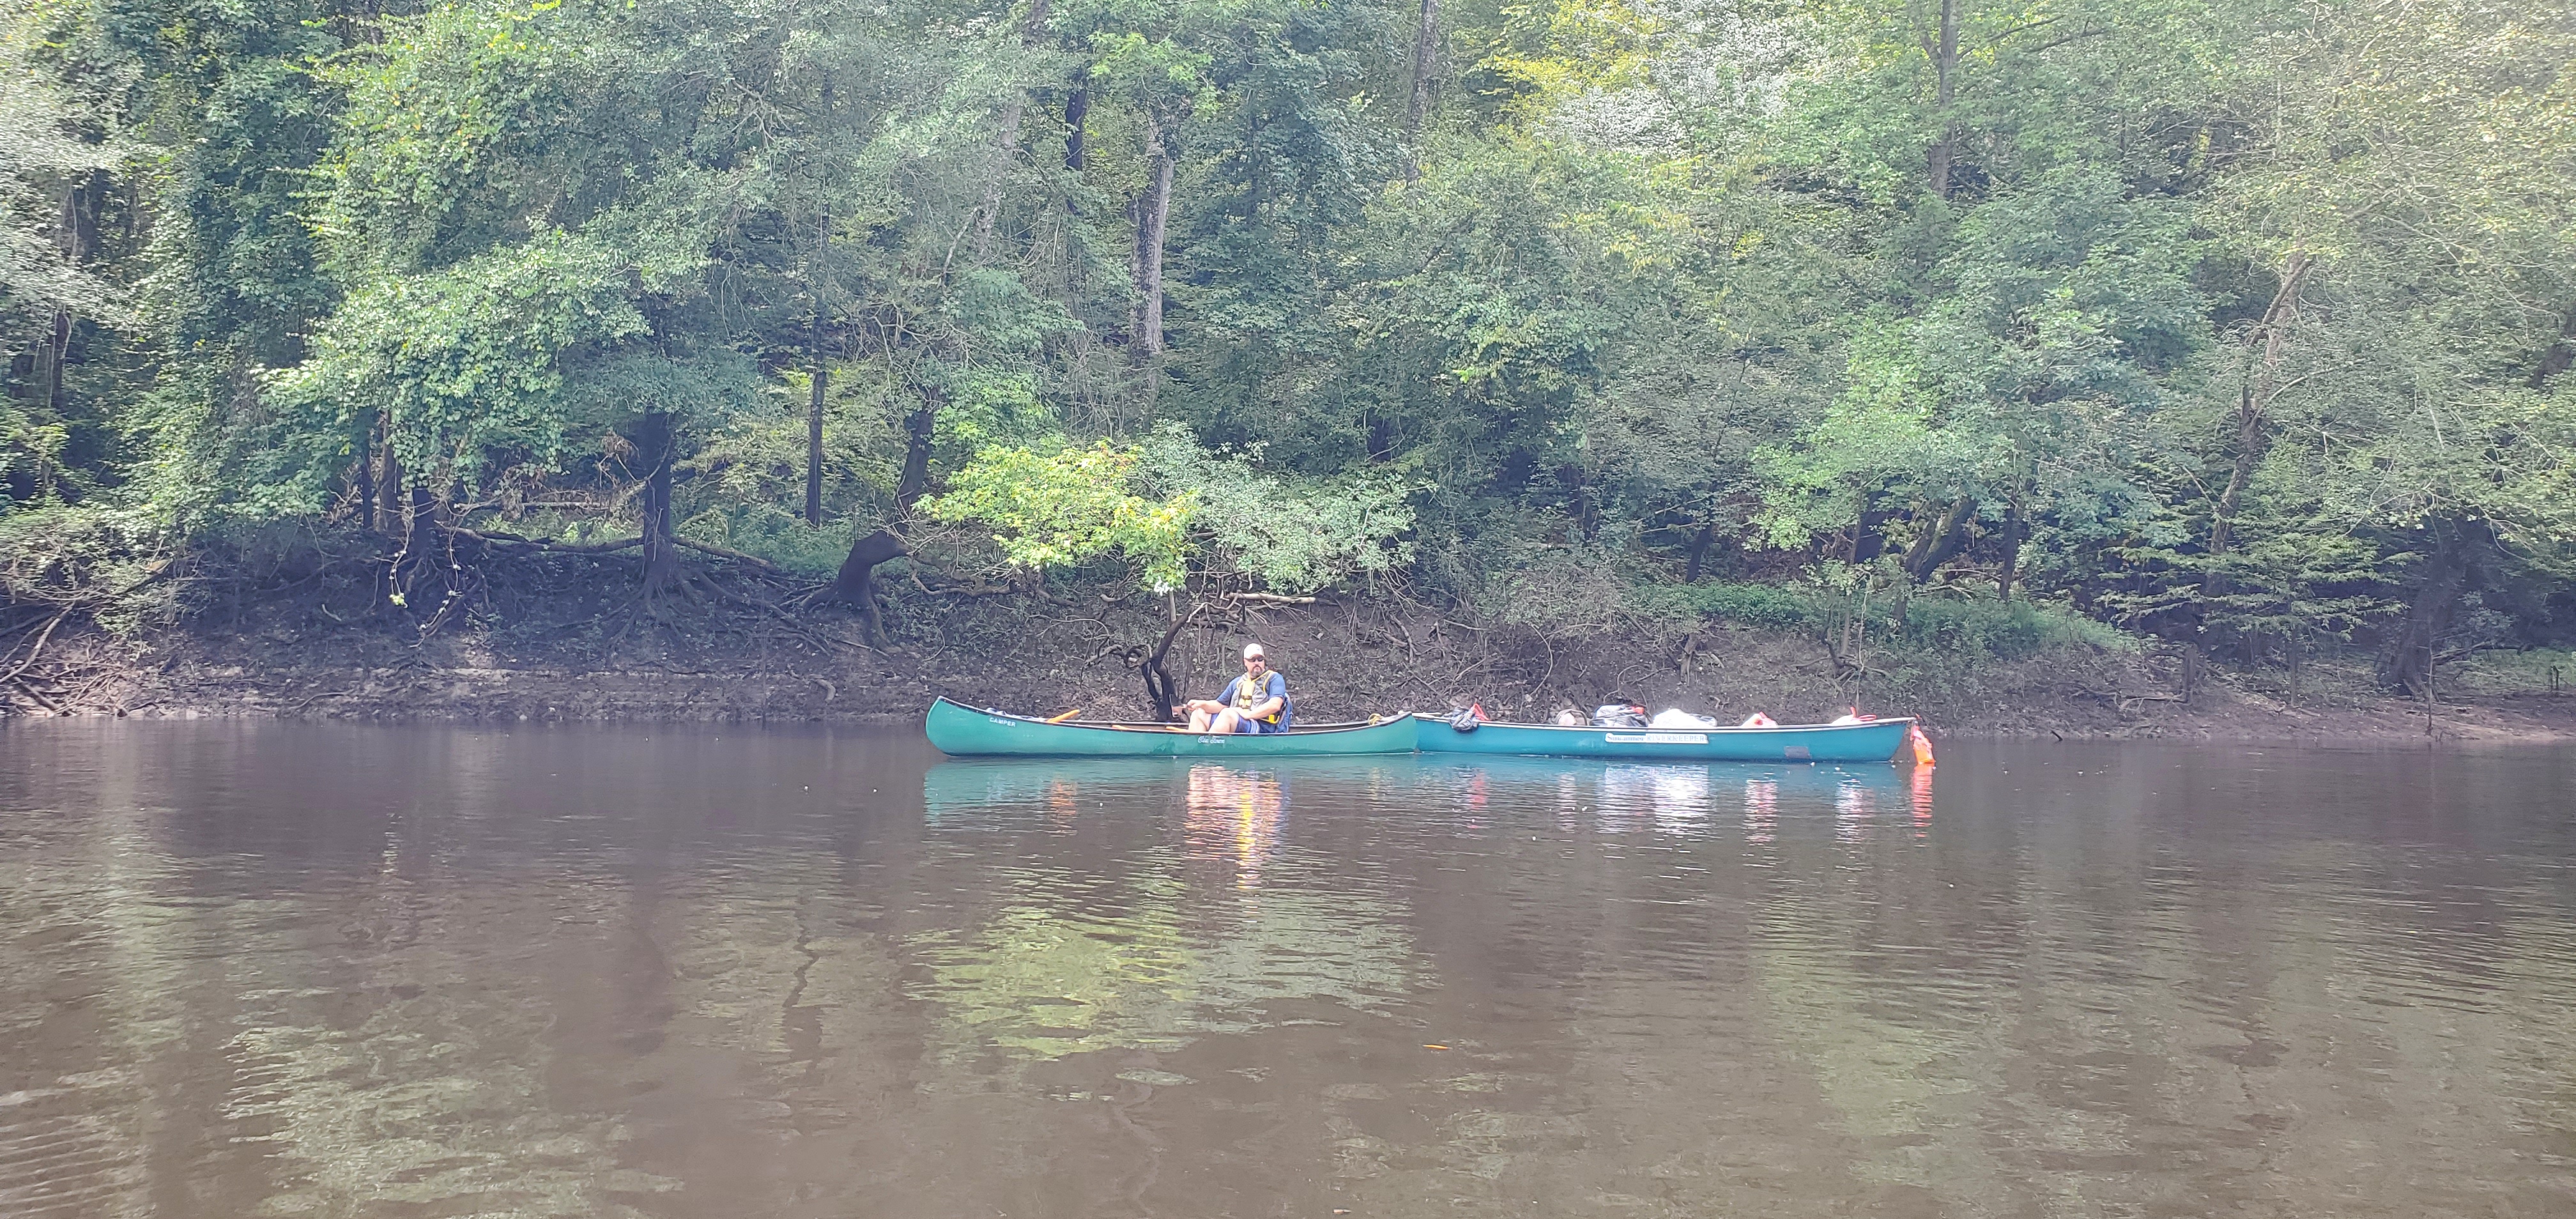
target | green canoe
x=966, y=732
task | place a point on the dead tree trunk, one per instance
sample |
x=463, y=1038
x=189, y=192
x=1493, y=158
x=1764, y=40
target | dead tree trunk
x=1162, y=695
x=1151, y=213
x=856, y=584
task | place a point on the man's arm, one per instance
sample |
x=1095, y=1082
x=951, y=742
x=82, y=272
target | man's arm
x=1224, y=699
x=1274, y=704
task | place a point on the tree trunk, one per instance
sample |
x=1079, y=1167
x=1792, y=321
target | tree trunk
x=1699, y=550
x=2016, y=531
x=58, y=347
x=1943, y=542
x=419, y=533
x=918, y=428
x=389, y=489
x=422, y=528
x=814, y=425
x=1007, y=146
x=2558, y=357
x=1077, y=111
x=1944, y=51
x=1426, y=46
x=366, y=479
x=2262, y=385
x=1869, y=536
x=661, y=555
x=1151, y=213
x=1161, y=696
x=2406, y=663
x=856, y=583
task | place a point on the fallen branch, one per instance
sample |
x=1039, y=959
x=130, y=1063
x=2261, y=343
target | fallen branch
x=722, y=553
x=1270, y=599
x=32, y=653
x=2135, y=698
x=27, y=688
x=498, y=538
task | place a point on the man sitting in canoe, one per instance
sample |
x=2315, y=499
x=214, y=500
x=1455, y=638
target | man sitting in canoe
x=1254, y=702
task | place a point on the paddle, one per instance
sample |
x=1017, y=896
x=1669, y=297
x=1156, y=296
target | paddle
x=1058, y=719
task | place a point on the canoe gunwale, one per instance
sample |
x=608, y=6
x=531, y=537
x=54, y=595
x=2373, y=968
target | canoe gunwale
x=1735, y=728
x=1869, y=741
x=964, y=731
x=1181, y=729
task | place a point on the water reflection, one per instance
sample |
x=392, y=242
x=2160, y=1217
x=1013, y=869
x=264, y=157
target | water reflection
x=272, y=971
x=1676, y=798
x=1234, y=815
x=1164, y=948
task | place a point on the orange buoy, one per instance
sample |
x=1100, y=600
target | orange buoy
x=1922, y=745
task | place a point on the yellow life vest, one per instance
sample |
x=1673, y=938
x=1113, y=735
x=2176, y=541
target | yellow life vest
x=1249, y=694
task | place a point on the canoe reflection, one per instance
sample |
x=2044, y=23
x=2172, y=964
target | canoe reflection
x=1236, y=812
x=971, y=788
x=1683, y=798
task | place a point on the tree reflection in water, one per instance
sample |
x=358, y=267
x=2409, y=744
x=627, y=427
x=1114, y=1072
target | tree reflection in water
x=1149, y=956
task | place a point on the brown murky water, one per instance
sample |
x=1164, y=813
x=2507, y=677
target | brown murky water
x=280, y=970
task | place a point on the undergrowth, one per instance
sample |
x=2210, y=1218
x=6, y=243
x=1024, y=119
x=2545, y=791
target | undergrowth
x=1955, y=627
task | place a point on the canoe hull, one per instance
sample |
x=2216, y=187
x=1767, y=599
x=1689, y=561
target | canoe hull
x=963, y=731
x=1875, y=741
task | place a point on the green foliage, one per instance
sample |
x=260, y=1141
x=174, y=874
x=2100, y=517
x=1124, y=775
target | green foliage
x=2248, y=327
x=1983, y=626
x=772, y=533
x=1069, y=508
x=1285, y=534
x=1763, y=605
x=465, y=361
x=1954, y=627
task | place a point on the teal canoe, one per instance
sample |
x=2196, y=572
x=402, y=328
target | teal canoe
x=1870, y=741
x=963, y=731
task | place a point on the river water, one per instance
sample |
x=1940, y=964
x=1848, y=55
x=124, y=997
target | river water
x=302, y=970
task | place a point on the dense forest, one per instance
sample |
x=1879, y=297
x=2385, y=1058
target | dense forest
x=2242, y=326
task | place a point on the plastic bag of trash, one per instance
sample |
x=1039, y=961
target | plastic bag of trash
x=1618, y=715
x=1675, y=717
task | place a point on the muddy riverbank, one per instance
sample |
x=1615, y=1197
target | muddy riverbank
x=739, y=662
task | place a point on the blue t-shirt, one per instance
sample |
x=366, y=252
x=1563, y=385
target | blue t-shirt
x=1272, y=686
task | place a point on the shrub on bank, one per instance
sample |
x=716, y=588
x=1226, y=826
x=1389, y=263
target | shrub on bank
x=1974, y=627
